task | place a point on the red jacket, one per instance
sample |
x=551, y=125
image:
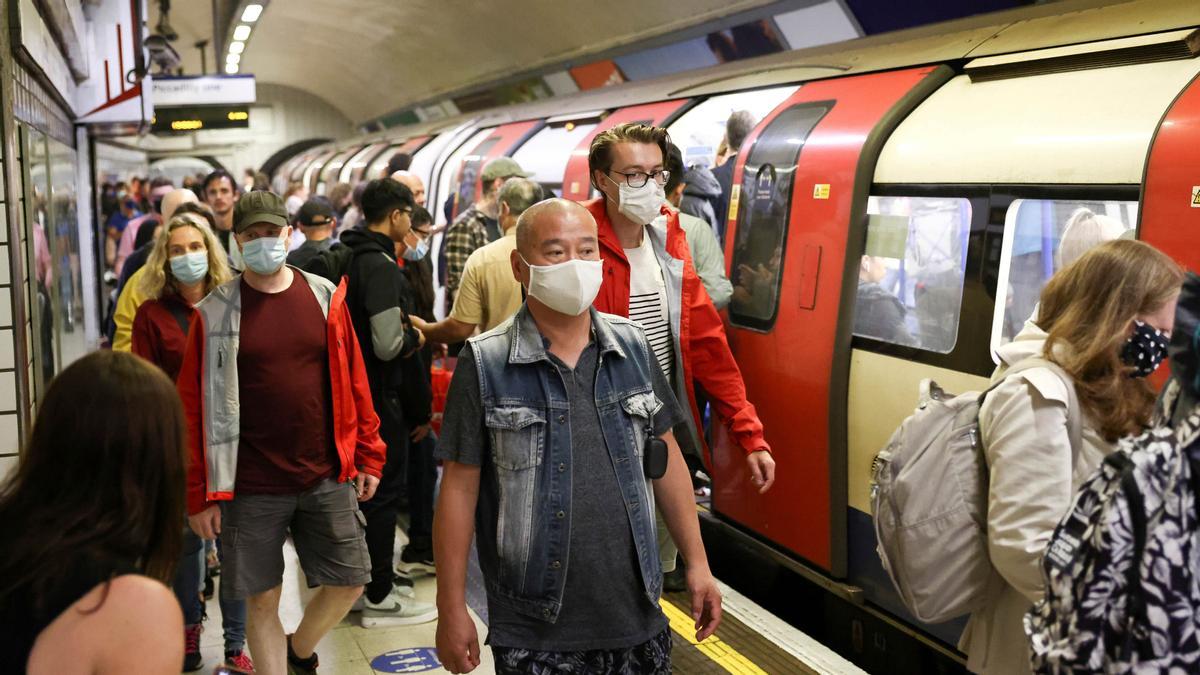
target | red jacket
x=701, y=338
x=213, y=465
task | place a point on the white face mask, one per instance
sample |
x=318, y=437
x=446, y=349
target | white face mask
x=567, y=287
x=642, y=204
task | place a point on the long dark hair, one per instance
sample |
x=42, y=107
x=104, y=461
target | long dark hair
x=101, y=479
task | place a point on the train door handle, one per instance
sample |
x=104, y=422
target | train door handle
x=810, y=270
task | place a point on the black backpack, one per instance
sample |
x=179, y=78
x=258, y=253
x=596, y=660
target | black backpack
x=1122, y=569
x=332, y=263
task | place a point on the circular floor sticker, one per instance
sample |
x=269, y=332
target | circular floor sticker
x=409, y=660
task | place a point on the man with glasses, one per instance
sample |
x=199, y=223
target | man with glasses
x=479, y=224
x=650, y=278
x=380, y=300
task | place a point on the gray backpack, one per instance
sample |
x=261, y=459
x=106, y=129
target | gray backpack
x=929, y=497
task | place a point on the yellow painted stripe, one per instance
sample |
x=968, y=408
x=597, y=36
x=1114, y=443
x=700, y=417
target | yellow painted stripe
x=713, y=647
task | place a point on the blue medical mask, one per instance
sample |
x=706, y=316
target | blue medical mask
x=190, y=267
x=418, y=252
x=265, y=255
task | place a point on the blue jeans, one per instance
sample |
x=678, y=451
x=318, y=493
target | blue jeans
x=188, y=582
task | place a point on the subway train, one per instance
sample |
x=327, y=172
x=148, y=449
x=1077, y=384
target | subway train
x=948, y=159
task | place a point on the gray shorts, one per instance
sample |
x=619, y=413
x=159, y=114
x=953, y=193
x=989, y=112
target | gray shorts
x=326, y=526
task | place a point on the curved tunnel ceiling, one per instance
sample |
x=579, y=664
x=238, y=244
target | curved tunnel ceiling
x=370, y=57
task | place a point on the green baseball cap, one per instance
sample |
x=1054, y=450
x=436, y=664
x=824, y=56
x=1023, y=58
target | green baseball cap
x=502, y=167
x=259, y=206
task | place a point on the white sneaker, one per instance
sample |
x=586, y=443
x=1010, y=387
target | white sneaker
x=396, y=610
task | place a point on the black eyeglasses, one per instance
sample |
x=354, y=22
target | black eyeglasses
x=639, y=179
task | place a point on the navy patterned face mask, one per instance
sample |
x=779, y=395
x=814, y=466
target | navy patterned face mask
x=1145, y=349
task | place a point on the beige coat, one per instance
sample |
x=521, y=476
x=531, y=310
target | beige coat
x=1033, y=476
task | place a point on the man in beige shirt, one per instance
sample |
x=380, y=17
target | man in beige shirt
x=488, y=294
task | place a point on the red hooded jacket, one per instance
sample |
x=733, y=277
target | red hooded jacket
x=706, y=355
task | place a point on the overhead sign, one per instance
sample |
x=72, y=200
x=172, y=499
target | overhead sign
x=195, y=118
x=203, y=90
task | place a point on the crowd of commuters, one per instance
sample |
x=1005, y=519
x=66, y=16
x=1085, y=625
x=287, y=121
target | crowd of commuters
x=300, y=332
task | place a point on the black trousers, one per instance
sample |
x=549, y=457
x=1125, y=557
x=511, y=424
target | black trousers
x=380, y=511
x=422, y=479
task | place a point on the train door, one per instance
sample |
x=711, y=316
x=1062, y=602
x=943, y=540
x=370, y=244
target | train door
x=354, y=167
x=699, y=131
x=380, y=161
x=799, y=199
x=328, y=175
x=499, y=142
x=547, y=152
x=576, y=181
x=313, y=171
x=1170, y=214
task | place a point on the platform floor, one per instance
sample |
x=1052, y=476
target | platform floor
x=750, y=640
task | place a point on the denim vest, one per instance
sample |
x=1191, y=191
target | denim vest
x=523, y=519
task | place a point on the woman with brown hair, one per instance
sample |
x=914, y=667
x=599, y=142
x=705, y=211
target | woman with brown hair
x=1104, y=323
x=89, y=525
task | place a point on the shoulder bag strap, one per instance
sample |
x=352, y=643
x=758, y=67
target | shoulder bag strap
x=1074, y=413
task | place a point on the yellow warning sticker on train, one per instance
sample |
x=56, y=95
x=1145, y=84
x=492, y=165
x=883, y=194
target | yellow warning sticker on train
x=1196, y=196
x=821, y=191
x=735, y=196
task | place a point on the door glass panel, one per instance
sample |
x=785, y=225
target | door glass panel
x=468, y=178
x=547, y=153
x=763, y=212
x=910, y=278
x=1042, y=236
x=700, y=130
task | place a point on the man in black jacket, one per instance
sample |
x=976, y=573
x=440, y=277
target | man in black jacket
x=380, y=300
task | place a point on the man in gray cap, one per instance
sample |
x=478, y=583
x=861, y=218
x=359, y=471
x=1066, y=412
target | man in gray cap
x=479, y=225
x=283, y=437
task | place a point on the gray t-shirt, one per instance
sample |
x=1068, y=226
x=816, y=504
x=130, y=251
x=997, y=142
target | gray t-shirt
x=604, y=602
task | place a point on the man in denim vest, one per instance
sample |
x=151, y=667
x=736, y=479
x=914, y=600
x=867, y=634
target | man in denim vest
x=551, y=448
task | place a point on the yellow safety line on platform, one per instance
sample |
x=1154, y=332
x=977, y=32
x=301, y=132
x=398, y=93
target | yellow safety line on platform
x=714, y=647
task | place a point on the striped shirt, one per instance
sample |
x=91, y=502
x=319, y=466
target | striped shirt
x=648, y=303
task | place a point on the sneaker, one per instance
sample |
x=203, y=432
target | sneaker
x=239, y=661
x=416, y=563
x=299, y=666
x=192, y=661
x=396, y=610
x=403, y=584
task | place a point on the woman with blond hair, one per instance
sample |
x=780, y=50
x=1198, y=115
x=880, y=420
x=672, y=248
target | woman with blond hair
x=186, y=263
x=1103, y=324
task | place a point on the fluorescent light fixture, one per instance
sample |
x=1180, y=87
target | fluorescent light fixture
x=231, y=68
x=241, y=32
x=250, y=14
x=233, y=58
x=237, y=47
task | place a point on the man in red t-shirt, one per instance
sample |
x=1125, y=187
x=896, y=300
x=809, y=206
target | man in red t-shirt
x=283, y=434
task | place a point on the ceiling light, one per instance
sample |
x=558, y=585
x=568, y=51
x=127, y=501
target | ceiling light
x=233, y=58
x=250, y=14
x=241, y=32
x=231, y=68
x=237, y=47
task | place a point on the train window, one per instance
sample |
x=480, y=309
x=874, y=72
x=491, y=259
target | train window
x=1040, y=237
x=766, y=202
x=910, y=279
x=546, y=154
x=699, y=131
